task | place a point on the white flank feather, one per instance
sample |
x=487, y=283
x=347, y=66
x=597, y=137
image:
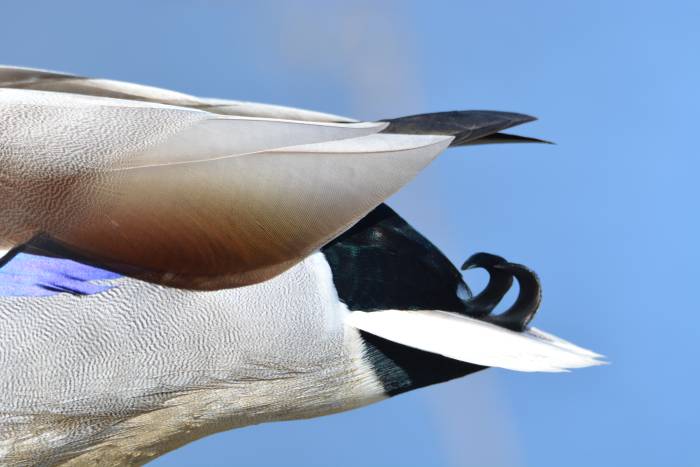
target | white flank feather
x=474, y=341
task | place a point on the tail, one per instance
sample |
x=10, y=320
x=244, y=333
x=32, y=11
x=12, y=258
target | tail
x=476, y=335
x=467, y=126
x=475, y=341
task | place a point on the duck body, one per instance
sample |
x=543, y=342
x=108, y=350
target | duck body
x=172, y=267
x=141, y=369
x=136, y=369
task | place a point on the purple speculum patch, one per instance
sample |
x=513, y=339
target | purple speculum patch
x=29, y=275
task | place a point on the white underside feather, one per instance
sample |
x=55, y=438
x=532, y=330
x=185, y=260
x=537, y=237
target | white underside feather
x=470, y=340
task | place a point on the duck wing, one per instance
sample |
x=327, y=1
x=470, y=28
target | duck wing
x=187, y=198
x=154, y=184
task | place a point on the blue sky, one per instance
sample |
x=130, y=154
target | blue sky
x=607, y=217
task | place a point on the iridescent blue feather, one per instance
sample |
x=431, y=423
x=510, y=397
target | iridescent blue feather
x=29, y=275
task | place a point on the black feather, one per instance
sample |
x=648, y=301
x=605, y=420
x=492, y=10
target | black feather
x=467, y=126
x=383, y=263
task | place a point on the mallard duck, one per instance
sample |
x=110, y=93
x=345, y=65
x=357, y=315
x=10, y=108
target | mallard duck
x=173, y=266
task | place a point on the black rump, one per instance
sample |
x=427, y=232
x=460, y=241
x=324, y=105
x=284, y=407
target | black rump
x=383, y=263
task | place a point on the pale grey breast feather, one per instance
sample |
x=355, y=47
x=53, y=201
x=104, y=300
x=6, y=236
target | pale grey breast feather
x=146, y=368
x=130, y=347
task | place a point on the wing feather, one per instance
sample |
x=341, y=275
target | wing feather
x=43, y=80
x=194, y=192
x=240, y=220
x=186, y=198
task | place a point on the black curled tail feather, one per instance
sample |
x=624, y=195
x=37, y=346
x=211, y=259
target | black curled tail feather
x=501, y=274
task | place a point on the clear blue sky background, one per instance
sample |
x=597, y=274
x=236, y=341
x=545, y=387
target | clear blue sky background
x=608, y=216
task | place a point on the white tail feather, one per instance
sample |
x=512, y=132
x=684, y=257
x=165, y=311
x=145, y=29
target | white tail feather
x=474, y=341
